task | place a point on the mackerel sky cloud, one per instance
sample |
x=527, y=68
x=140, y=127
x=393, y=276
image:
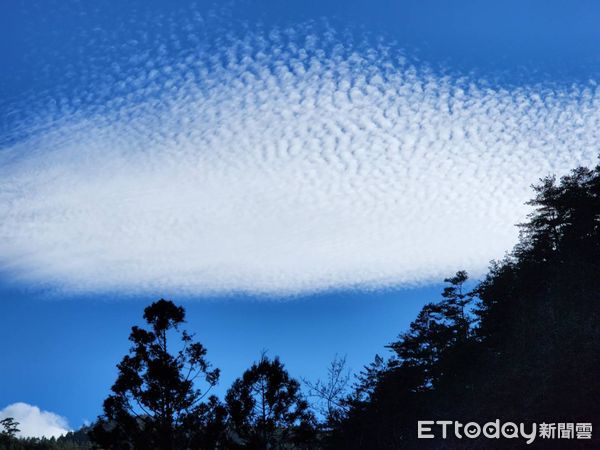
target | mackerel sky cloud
x=282, y=161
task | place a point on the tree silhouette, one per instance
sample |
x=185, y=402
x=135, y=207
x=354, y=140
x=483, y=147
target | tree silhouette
x=431, y=339
x=9, y=428
x=455, y=306
x=154, y=402
x=331, y=394
x=266, y=407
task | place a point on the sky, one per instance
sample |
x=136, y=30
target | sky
x=300, y=176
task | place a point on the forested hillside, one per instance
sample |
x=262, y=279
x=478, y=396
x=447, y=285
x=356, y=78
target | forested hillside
x=524, y=345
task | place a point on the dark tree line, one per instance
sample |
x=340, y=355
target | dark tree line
x=73, y=440
x=522, y=345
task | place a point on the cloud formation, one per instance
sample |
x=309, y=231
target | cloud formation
x=34, y=422
x=284, y=161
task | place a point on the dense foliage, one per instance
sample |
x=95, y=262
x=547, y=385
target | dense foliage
x=74, y=440
x=266, y=408
x=523, y=345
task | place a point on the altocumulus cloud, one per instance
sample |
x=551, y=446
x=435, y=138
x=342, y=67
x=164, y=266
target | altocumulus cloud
x=282, y=161
x=33, y=422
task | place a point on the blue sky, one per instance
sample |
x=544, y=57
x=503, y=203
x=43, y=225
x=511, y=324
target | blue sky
x=67, y=349
x=299, y=175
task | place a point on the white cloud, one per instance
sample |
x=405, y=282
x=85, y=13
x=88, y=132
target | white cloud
x=34, y=422
x=282, y=165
